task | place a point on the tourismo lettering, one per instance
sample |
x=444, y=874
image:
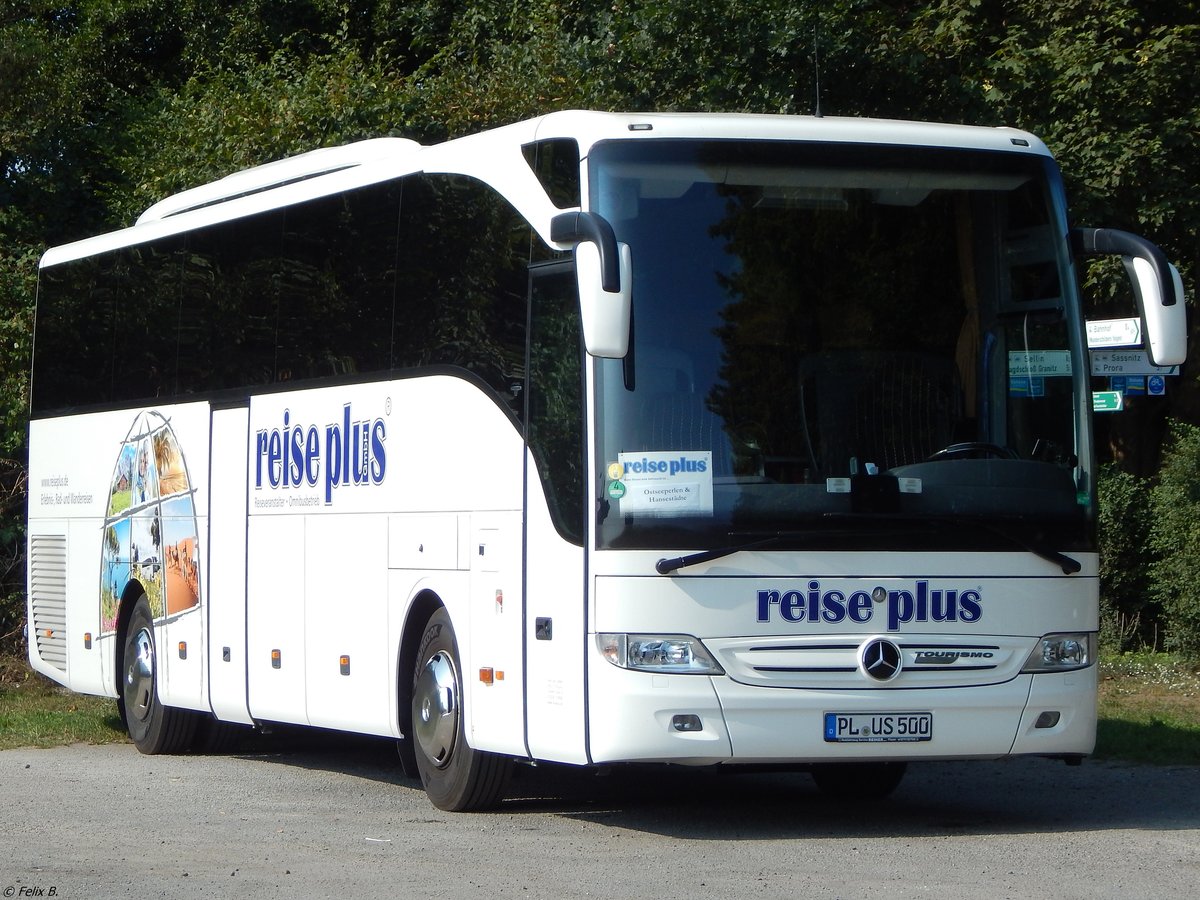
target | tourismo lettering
x=354, y=451
x=921, y=604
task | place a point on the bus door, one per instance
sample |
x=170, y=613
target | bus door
x=555, y=599
x=228, y=477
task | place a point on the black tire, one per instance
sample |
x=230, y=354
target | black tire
x=152, y=727
x=456, y=777
x=858, y=781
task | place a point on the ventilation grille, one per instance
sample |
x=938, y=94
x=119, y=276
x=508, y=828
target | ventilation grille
x=821, y=662
x=48, y=597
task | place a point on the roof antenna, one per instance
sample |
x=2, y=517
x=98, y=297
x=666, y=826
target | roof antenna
x=817, y=61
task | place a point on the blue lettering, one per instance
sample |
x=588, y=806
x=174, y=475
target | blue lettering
x=291, y=455
x=360, y=453
x=833, y=606
x=333, y=460
x=274, y=458
x=260, y=452
x=944, y=612
x=683, y=464
x=378, y=453
x=969, y=608
x=922, y=604
x=765, y=601
x=295, y=471
x=860, y=607
x=791, y=606
x=312, y=456
x=900, y=608
x=347, y=447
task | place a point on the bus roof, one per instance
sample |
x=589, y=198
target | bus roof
x=495, y=156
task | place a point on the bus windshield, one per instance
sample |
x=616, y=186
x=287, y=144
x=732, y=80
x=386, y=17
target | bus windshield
x=845, y=346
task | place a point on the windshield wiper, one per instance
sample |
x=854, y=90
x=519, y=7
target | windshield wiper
x=666, y=566
x=1068, y=564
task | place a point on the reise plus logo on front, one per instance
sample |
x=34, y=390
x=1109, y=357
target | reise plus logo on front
x=921, y=604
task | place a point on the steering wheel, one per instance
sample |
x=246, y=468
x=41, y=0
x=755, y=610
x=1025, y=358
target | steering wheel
x=974, y=450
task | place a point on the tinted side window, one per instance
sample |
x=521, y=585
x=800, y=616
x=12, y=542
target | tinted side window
x=464, y=255
x=228, y=307
x=555, y=426
x=427, y=270
x=106, y=328
x=337, y=284
x=73, y=342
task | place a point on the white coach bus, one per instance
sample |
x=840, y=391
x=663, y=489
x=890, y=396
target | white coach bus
x=596, y=439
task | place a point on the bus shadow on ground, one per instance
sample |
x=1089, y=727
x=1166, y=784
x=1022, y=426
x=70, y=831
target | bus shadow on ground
x=935, y=799
x=1021, y=796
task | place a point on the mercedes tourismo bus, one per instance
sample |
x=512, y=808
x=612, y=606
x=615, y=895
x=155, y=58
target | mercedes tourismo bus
x=596, y=439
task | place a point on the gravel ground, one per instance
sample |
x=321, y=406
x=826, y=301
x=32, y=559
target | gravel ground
x=333, y=817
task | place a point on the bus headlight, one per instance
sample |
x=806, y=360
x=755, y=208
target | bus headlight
x=1062, y=653
x=676, y=654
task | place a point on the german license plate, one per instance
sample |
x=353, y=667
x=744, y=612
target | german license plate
x=878, y=727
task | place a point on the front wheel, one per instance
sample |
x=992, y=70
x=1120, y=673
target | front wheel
x=154, y=728
x=858, y=781
x=455, y=776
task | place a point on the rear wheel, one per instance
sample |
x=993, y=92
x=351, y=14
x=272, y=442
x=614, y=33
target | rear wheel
x=455, y=776
x=154, y=728
x=858, y=781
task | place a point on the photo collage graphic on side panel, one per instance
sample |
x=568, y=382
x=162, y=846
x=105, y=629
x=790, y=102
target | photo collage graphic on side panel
x=151, y=536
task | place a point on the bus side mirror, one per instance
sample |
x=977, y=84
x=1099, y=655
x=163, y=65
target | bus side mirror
x=603, y=268
x=1166, y=324
x=1156, y=285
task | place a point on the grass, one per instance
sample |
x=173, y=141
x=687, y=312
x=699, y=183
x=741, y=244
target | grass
x=1149, y=710
x=36, y=712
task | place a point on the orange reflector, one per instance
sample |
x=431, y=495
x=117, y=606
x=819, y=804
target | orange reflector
x=344, y=664
x=500, y=675
x=486, y=675
x=276, y=659
x=87, y=640
x=183, y=649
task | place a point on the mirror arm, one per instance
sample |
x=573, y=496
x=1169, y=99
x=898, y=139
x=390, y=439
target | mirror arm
x=1107, y=241
x=573, y=227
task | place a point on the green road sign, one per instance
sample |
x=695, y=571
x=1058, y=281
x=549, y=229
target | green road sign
x=1107, y=401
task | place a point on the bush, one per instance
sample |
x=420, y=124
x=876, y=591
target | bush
x=1128, y=616
x=1174, y=540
